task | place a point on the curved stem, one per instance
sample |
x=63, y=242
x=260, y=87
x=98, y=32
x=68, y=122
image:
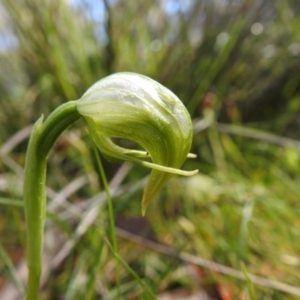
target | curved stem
x=60, y=119
x=41, y=141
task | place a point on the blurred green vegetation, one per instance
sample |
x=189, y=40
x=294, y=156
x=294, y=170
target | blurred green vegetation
x=233, y=62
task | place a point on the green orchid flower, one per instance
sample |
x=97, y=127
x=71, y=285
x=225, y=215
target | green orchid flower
x=124, y=105
x=135, y=107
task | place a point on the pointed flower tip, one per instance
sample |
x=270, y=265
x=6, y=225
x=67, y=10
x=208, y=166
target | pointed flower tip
x=143, y=211
x=191, y=173
x=192, y=155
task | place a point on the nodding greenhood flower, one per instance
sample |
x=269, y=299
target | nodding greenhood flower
x=137, y=108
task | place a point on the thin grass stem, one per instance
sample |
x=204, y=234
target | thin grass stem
x=113, y=235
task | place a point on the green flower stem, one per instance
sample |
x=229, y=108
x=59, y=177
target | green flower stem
x=41, y=141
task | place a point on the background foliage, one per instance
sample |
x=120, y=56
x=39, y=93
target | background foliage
x=236, y=66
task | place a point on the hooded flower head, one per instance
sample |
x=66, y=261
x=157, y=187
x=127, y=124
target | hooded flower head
x=137, y=108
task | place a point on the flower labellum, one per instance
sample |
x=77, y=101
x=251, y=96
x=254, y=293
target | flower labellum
x=137, y=108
